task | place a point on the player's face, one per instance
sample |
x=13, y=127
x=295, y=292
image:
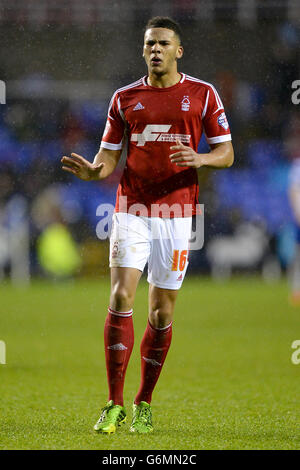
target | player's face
x=161, y=50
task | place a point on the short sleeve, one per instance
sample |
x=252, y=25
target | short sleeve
x=215, y=123
x=113, y=134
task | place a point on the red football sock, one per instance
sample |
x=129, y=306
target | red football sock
x=118, y=341
x=154, y=348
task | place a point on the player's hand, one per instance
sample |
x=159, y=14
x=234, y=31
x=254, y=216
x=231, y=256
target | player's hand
x=81, y=167
x=186, y=156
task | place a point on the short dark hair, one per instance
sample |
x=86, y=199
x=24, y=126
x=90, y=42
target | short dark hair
x=164, y=22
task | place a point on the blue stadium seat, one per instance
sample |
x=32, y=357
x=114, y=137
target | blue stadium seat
x=5, y=135
x=92, y=115
x=260, y=195
x=8, y=151
x=264, y=153
x=91, y=195
x=51, y=150
x=86, y=148
x=26, y=154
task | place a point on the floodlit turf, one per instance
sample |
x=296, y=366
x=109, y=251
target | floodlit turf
x=228, y=381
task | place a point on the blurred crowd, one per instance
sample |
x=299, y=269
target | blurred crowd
x=265, y=125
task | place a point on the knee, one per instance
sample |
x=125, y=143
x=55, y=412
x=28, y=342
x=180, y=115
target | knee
x=121, y=299
x=160, y=318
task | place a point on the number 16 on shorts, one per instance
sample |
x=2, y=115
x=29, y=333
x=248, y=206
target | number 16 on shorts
x=179, y=260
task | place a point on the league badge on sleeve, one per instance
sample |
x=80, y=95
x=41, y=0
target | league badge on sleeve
x=222, y=121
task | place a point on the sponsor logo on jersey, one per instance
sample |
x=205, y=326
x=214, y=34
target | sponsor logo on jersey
x=138, y=107
x=151, y=361
x=185, y=103
x=179, y=278
x=117, y=347
x=222, y=121
x=158, y=133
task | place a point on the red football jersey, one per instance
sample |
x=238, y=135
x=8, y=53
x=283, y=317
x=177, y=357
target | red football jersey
x=148, y=120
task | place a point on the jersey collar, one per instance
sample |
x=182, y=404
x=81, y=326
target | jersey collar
x=144, y=79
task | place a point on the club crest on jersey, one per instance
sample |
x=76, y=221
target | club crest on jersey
x=222, y=121
x=185, y=103
x=158, y=133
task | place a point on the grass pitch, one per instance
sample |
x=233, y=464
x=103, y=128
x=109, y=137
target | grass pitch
x=228, y=381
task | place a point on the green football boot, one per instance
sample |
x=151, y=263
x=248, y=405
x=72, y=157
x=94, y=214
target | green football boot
x=142, y=418
x=111, y=417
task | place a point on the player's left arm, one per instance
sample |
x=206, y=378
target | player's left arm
x=220, y=156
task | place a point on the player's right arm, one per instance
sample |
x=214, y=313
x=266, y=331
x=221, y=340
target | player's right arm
x=103, y=165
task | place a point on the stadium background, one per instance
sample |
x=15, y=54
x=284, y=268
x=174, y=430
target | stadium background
x=61, y=61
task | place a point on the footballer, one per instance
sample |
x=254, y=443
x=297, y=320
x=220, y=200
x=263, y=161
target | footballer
x=158, y=120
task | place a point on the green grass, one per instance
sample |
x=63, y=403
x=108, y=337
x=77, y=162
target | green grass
x=228, y=381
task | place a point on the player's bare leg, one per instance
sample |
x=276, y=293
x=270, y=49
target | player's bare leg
x=154, y=349
x=124, y=282
x=161, y=306
x=118, y=340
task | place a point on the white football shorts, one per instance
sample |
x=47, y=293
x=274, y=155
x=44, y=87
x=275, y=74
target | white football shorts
x=162, y=242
